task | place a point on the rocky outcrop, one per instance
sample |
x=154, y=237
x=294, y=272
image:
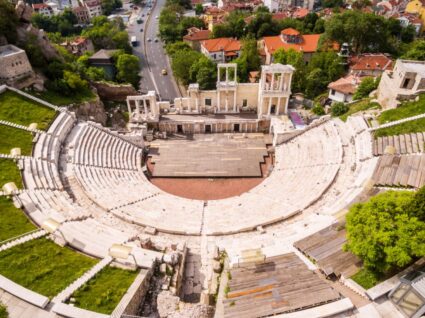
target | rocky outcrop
x=92, y=110
x=114, y=92
x=23, y=11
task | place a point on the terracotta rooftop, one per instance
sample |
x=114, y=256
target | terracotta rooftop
x=289, y=31
x=222, y=44
x=308, y=44
x=38, y=6
x=370, y=62
x=345, y=85
x=280, y=15
x=197, y=35
x=300, y=13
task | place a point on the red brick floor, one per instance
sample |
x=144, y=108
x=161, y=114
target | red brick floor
x=208, y=188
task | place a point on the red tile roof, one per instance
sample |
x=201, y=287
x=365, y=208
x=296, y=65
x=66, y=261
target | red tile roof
x=280, y=15
x=38, y=6
x=300, y=13
x=345, y=85
x=199, y=35
x=308, y=44
x=222, y=44
x=370, y=62
x=289, y=31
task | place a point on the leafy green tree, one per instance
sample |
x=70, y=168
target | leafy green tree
x=172, y=48
x=233, y=26
x=203, y=72
x=128, y=68
x=8, y=21
x=95, y=73
x=249, y=60
x=199, y=9
x=295, y=59
x=366, y=86
x=416, y=51
x=74, y=81
x=416, y=207
x=110, y=5
x=187, y=4
x=62, y=23
x=168, y=25
x=182, y=62
x=318, y=110
x=383, y=234
x=339, y=109
x=332, y=3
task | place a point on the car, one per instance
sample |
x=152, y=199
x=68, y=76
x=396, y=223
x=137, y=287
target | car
x=143, y=14
x=141, y=30
x=164, y=71
x=156, y=39
x=148, y=39
x=156, y=17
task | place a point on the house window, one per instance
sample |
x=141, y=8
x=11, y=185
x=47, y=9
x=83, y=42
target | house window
x=214, y=57
x=333, y=92
x=406, y=82
x=207, y=101
x=244, y=102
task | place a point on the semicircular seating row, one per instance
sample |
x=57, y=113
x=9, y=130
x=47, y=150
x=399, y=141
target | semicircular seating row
x=108, y=170
x=304, y=170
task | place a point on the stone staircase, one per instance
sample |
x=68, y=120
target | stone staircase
x=68, y=291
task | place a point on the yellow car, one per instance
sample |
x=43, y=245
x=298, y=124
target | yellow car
x=164, y=72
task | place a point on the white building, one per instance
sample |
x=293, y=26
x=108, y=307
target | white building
x=94, y=8
x=343, y=89
x=43, y=9
x=404, y=82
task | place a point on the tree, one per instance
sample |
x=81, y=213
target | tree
x=339, y=109
x=332, y=3
x=416, y=207
x=199, y=9
x=416, y=51
x=366, y=86
x=172, y=48
x=182, y=62
x=110, y=5
x=74, y=81
x=128, y=68
x=295, y=59
x=8, y=21
x=383, y=234
x=234, y=26
x=203, y=72
x=249, y=59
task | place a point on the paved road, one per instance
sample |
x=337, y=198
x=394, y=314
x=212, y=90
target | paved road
x=155, y=59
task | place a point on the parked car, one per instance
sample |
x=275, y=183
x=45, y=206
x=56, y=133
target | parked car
x=164, y=71
x=156, y=39
x=148, y=39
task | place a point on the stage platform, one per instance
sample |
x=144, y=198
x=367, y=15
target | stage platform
x=209, y=155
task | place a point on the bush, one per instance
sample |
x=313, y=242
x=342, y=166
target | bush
x=339, y=109
x=3, y=311
x=367, y=85
x=318, y=110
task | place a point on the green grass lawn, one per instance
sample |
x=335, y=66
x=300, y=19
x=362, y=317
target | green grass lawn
x=103, y=293
x=366, y=278
x=9, y=172
x=13, y=221
x=62, y=100
x=13, y=137
x=43, y=266
x=23, y=111
x=358, y=107
x=405, y=110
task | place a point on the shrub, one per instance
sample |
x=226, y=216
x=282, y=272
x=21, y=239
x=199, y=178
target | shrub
x=318, y=110
x=339, y=109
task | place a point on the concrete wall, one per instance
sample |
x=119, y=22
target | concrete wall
x=340, y=97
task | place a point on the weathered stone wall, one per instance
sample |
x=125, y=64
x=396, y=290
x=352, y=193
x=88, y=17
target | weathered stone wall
x=93, y=110
x=114, y=92
x=14, y=64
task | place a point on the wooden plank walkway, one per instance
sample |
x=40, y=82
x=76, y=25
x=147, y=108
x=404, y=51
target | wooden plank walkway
x=279, y=284
x=325, y=248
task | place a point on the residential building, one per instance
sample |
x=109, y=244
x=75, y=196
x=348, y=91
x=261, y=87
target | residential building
x=343, y=89
x=230, y=5
x=79, y=45
x=103, y=59
x=407, y=19
x=82, y=14
x=14, y=64
x=290, y=39
x=416, y=7
x=370, y=64
x=405, y=82
x=194, y=37
x=94, y=8
x=221, y=49
x=308, y=4
x=213, y=16
x=43, y=9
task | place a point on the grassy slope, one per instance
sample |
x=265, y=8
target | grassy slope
x=42, y=266
x=13, y=221
x=62, y=100
x=23, y=111
x=9, y=172
x=103, y=293
x=405, y=110
x=359, y=106
x=13, y=137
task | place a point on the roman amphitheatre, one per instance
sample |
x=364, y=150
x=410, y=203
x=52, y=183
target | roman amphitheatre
x=238, y=223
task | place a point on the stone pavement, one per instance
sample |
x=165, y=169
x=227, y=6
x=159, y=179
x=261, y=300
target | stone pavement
x=18, y=308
